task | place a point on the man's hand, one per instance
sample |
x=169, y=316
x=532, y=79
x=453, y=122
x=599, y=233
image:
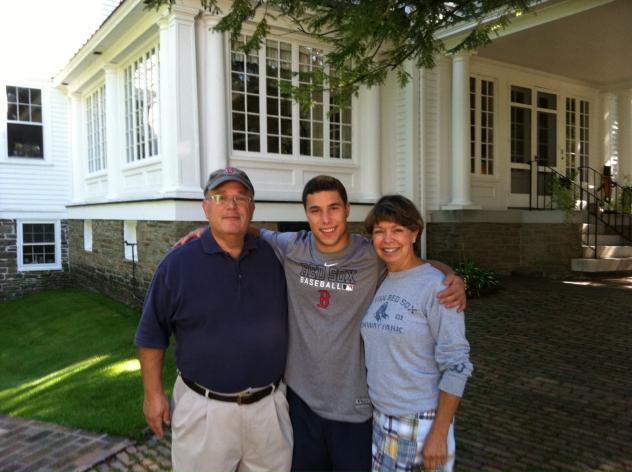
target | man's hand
x=454, y=295
x=157, y=412
x=435, y=451
x=196, y=233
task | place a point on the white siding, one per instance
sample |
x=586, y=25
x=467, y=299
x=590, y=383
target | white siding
x=430, y=134
x=35, y=186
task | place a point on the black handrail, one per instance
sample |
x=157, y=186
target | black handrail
x=615, y=201
x=598, y=197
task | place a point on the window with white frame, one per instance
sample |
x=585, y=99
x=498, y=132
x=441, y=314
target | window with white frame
x=130, y=241
x=87, y=235
x=39, y=245
x=481, y=126
x=265, y=121
x=577, y=134
x=25, y=134
x=142, y=113
x=95, y=130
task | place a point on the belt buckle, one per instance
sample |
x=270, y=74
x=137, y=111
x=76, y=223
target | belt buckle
x=242, y=397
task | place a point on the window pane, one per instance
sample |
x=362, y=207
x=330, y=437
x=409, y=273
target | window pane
x=239, y=122
x=238, y=102
x=253, y=143
x=521, y=95
x=36, y=97
x=253, y=123
x=36, y=114
x=238, y=82
x=272, y=105
x=253, y=103
x=23, y=95
x=547, y=138
x=547, y=100
x=12, y=112
x=239, y=141
x=23, y=113
x=252, y=83
x=273, y=144
x=12, y=94
x=286, y=127
x=273, y=125
x=286, y=146
x=25, y=140
x=520, y=134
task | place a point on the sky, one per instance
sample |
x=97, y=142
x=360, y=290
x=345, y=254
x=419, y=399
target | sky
x=39, y=37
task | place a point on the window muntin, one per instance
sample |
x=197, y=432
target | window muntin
x=278, y=103
x=481, y=126
x=339, y=130
x=245, y=99
x=142, y=113
x=25, y=136
x=38, y=245
x=95, y=130
x=264, y=118
x=311, y=60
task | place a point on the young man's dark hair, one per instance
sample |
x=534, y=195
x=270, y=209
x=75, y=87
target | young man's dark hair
x=322, y=183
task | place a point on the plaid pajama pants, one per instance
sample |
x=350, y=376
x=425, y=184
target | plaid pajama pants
x=398, y=442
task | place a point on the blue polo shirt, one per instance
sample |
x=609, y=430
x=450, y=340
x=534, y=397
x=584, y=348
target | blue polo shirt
x=228, y=316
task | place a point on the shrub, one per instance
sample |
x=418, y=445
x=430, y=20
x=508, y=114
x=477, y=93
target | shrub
x=479, y=281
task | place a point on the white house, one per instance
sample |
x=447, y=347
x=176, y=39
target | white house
x=157, y=100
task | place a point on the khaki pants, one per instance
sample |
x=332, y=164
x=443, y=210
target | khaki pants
x=210, y=435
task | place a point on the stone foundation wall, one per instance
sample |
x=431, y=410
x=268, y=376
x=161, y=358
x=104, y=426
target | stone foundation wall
x=14, y=284
x=544, y=248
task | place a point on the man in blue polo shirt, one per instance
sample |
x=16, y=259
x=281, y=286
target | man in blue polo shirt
x=223, y=297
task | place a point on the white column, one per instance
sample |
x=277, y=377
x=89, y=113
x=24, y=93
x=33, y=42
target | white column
x=367, y=139
x=625, y=137
x=178, y=102
x=214, y=117
x=116, y=147
x=610, y=132
x=76, y=127
x=460, y=131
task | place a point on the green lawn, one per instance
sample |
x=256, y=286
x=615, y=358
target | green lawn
x=68, y=357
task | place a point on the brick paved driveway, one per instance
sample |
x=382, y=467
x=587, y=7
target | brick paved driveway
x=552, y=388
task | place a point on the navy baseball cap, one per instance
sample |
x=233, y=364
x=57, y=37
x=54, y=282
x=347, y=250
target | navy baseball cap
x=228, y=174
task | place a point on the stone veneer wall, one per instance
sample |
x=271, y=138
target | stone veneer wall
x=14, y=284
x=544, y=248
x=105, y=268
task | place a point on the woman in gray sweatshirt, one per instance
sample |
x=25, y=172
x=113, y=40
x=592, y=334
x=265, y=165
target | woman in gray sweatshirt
x=417, y=356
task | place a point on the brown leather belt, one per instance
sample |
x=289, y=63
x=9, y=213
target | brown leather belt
x=244, y=398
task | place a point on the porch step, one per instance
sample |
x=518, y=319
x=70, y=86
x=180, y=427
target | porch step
x=607, y=240
x=601, y=228
x=613, y=264
x=607, y=251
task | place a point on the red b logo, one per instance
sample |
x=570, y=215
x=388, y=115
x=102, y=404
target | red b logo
x=324, y=298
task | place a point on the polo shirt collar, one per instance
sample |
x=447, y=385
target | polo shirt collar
x=210, y=246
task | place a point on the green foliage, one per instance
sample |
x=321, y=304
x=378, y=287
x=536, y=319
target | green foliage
x=562, y=194
x=68, y=357
x=368, y=39
x=479, y=281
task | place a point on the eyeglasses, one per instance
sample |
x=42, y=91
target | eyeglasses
x=224, y=200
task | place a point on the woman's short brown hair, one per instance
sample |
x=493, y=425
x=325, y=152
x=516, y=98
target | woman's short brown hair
x=396, y=209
